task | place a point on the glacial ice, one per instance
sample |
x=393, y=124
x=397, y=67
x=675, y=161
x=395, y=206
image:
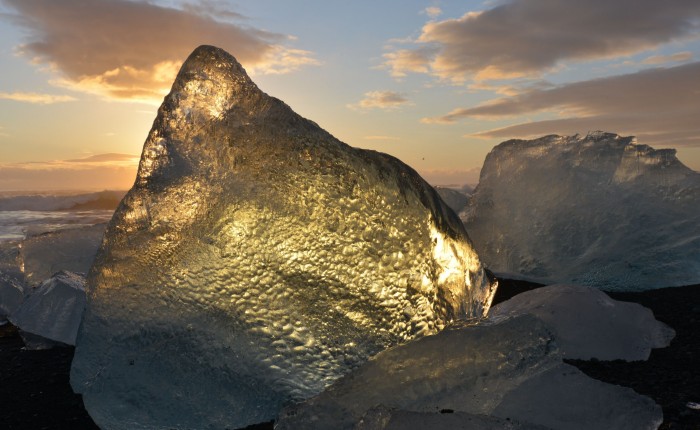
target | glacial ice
x=507, y=369
x=71, y=249
x=456, y=199
x=52, y=311
x=587, y=324
x=256, y=260
x=595, y=210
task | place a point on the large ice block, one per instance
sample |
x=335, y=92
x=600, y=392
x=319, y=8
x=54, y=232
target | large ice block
x=256, y=260
x=597, y=210
x=508, y=369
x=70, y=249
x=54, y=309
x=588, y=324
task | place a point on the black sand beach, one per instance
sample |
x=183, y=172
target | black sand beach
x=35, y=392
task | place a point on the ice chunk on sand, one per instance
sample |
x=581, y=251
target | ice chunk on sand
x=54, y=310
x=257, y=259
x=588, y=324
x=70, y=249
x=509, y=369
x=596, y=210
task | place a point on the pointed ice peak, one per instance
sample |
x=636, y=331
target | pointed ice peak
x=209, y=84
x=207, y=57
x=211, y=87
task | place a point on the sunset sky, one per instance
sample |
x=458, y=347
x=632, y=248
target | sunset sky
x=434, y=83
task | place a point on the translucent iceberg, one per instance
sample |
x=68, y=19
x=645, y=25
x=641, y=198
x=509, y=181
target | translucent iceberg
x=456, y=199
x=587, y=324
x=71, y=249
x=595, y=210
x=256, y=260
x=53, y=311
x=510, y=369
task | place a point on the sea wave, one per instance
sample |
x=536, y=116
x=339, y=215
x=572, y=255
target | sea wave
x=102, y=200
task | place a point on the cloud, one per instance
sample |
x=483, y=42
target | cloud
x=403, y=61
x=110, y=158
x=131, y=50
x=386, y=100
x=679, y=57
x=43, y=99
x=660, y=103
x=433, y=11
x=529, y=37
x=97, y=172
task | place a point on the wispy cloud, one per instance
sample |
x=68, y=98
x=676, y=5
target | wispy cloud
x=103, y=171
x=131, y=50
x=110, y=158
x=529, y=37
x=656, y=103
x=679, y=57
x=36, y=98
x=386, y=100
x=433, y=11
x=401, y=62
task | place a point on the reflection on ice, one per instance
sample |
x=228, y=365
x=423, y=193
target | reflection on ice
x=258, y=252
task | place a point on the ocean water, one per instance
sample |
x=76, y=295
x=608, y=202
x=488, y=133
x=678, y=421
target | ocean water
x=25, y=215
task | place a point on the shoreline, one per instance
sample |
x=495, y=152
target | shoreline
x=35, y=390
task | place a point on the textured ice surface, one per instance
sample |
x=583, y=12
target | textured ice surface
x=54, y=309
x=588, y=324
x=564, y=398
x=70, y=249
x=509, y=369
x=597, y=210
x=257, y=259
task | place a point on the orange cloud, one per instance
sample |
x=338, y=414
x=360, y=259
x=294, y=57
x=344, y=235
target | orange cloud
x=529, y=37
x=131, y=50
x=678, y=57
x=97, y=172
x=386, y=100
x=36, y=98
x=660, y=106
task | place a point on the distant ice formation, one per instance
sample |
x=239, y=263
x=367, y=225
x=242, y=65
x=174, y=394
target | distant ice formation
x=71, y=249
x=456, y=199
x=256, y=260
x=508, y=369
x=587, y=323
x=52, y=311
x=596, y=210
x=102, y=200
